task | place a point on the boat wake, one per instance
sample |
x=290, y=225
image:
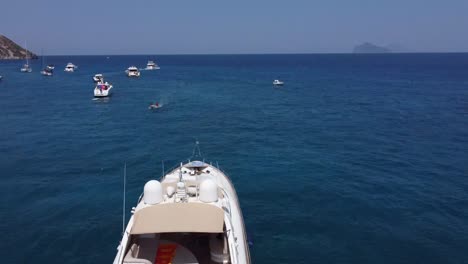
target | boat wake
x=100, y=99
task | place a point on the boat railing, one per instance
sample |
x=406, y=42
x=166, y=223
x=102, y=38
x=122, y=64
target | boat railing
x=230, y=233
x=247, y=252
x=227, y=208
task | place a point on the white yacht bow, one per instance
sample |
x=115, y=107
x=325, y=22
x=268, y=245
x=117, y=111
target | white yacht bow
x=191, y=216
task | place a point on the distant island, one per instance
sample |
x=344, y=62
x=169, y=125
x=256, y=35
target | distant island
x=370, y=48
x=9, y=50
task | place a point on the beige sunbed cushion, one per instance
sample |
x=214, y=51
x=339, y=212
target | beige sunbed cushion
x=178, y=217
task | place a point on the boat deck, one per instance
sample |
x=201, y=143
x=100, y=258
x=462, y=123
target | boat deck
x=184, y=248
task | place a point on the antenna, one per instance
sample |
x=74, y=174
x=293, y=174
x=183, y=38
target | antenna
x=123, y=207
x=27, y=53
x=162, y=162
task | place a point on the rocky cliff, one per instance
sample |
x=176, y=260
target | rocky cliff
x=9, y=50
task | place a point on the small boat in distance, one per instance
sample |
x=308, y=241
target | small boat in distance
x=70, y=67
x=1, y=77
x=278, y=82
x=102, y=89
x=26, y=67
x=151, y=65
x=47, y=71
x=98, y=78
x=156, y=105
x=133, y=71
x=191, y=215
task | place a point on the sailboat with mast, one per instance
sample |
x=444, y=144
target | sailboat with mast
x=26, y=67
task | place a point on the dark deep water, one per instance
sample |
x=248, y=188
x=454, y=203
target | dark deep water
x=357, y=159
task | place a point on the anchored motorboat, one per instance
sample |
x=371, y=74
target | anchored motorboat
x=278, y=82
x=155, y=106
x=70, y=67
x=133, y=71
x=191, y=215
x=47, y=71
x=151, y=65
x=98, y=78
x=103, y=89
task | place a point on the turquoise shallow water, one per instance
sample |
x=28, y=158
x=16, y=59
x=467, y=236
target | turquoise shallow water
x=357, y=159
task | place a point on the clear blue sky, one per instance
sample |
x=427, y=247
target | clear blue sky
x=238, y=26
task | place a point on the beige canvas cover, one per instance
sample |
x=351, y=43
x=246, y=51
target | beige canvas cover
x=178, y=217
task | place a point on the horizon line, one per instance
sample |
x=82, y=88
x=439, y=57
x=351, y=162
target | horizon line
x=273, y=53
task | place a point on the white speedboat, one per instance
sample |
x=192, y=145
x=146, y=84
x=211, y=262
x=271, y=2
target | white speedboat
x=155, y=106
x=47, y=71
x=98, y=78
x=151, y=65
x=192, y=215
x=70, y=67
x=133, y=71
x=278, y=82
x=103, y=89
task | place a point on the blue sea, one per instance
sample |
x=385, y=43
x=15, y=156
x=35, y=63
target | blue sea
x=356, y=159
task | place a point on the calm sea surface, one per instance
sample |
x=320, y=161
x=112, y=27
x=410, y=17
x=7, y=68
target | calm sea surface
x=357, y=159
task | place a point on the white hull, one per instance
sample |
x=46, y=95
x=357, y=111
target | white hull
x=70, y=67
x=151, y=65
x=132, y=71
x=150, y=68
x=154, y=107
x=45, y=73
x=191, y=212
x=133, y=74
x=102, y=93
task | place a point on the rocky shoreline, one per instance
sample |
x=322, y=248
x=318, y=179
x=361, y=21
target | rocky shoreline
x=9, y=50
